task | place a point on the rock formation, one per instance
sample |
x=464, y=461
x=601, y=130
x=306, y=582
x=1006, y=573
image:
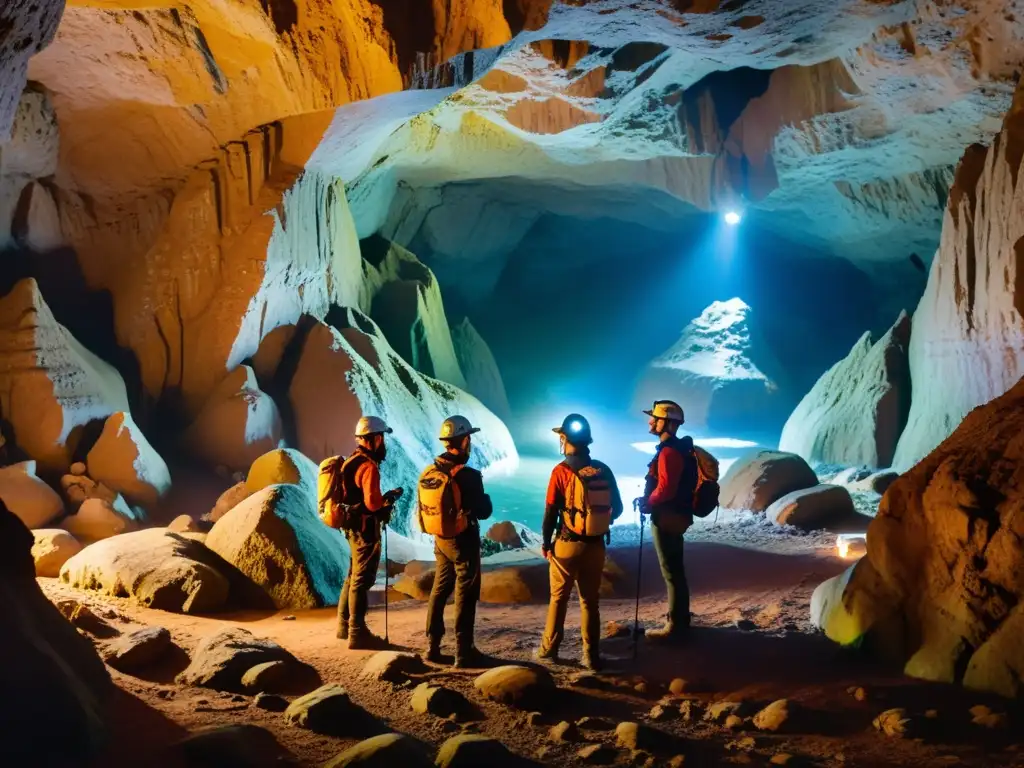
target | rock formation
x=968, y=341
x=124, y=461
x=757, y=480
x=51, y=387
x=403, y=297
x=50, y=673
x=28, y=27
x=276, y=539
x=28, y=497
x=710, y=372
x=940, y=587
x=238, y=424
x=856, y=411
x=483, y=379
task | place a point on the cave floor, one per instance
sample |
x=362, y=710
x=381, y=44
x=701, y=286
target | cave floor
x=753, y=642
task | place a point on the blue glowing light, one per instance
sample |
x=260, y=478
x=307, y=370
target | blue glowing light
x=732, y=218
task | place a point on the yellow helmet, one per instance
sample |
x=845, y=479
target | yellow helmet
x=666, y=409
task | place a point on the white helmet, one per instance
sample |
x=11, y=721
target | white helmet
x=455, y=427
x=372, y=425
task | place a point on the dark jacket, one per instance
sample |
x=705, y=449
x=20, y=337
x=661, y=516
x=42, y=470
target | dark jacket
x=475, y=501
x=671, y=477
x=556, y=499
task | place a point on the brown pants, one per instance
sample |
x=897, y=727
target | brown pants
x=580, y=563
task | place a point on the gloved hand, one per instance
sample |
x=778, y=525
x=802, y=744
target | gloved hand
x=393, y=495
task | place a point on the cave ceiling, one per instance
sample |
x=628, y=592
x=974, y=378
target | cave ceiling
x=833, y=123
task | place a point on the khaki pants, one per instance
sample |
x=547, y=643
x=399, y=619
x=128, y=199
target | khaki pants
x=580, y=563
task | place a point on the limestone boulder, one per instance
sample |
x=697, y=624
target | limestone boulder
x=470, y=749
x=157, y=569
x=856, y=411
x=276, y=539
x=517, y=686
x=138, y=649
x=505, y=533
x=33, y=501
x=828, y=507
x=384, y=751
x=330, y=710
x=876, y=482
x=483, y=378
x=124, y=461
x=51, y=387
x=98, y=519
x=36, y=222
x=282, y=465
x=238, y=424
x=243, y=745
x=760, y=478
x=718, y=369
x=50, y=675
x=514, y=583
x=78, y=487
x=946, y=526
x=222, y=658
x=227, y=501
x=51, y=548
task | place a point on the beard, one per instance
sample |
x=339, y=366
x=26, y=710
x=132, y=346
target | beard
x=380, y=452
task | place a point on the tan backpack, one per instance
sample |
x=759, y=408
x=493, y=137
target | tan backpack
x=440, y=503
x=588, y=502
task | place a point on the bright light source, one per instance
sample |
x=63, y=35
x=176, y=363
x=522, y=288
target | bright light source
x=732, y=218
x=575, y=426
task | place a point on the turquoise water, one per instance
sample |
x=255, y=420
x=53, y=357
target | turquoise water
x=519, y=496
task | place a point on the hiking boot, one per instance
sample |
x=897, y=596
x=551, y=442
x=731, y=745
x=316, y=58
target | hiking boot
x=433, y=654
x=667, y=635
x=342, y=633
x=365, y=640
x=592, y=661
x=470, y=658
x=546, y=654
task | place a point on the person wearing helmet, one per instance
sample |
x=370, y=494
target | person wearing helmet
x=668, y=499
x=360, y=480
x=582, y=502
x=451, y=503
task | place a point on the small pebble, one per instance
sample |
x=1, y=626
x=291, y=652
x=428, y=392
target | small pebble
x=288, y=618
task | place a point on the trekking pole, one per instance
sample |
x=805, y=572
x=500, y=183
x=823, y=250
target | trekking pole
x=387, y=580
x=639, y=573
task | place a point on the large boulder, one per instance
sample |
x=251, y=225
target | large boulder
x=222, y=658
x=51, y=548
x=856, y=411
x=385, y=751
x=51, y=386
x=716, y=371
x=33, y=501
x=238, y=424
x=353, y=359
x=54, y=685
x=760, y=478
x=944, y=557
x=968, y=341
x=516, y=685
x=156, y=568
x=823, y=506
x=276, y=539
x=227, y=501
x=282, y=465
x=100, y=519
x=124, y=461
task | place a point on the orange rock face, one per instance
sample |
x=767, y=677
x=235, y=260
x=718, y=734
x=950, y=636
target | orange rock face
x=947, y=543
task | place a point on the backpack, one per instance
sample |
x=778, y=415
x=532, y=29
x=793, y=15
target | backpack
x=588, y=502
x=440, y=503
x=333, y=510
x=705, y=495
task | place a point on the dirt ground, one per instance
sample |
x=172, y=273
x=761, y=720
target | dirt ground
x=753, y=642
